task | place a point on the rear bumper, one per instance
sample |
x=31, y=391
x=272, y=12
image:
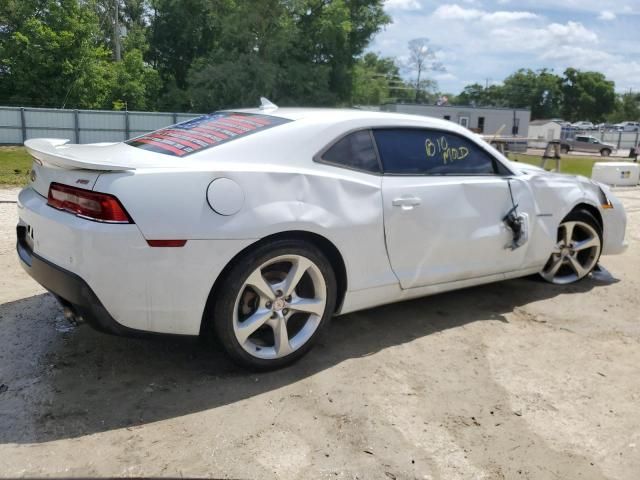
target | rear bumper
x=69, y=288
x=143, y=289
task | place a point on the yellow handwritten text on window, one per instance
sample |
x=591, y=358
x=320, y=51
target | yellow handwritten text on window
x=441, y=149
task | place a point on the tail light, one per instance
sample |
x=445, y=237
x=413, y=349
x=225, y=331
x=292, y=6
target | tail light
x=96, y=206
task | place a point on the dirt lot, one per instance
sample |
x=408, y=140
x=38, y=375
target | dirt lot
x=513, y=380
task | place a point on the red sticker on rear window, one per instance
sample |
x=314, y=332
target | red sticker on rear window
x=204, y=132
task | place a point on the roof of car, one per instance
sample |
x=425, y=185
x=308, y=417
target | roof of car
x=543, y=122
x=334, y=115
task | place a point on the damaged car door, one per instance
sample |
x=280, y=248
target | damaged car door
x=451, y=210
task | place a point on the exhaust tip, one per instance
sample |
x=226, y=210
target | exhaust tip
x=71, y=316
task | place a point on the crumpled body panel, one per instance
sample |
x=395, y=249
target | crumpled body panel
x=342, y=206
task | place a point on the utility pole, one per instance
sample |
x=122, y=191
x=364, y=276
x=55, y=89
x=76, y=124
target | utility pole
x=116, y=31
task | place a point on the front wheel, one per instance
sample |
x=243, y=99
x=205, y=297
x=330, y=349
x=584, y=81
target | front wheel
x=578, y=248
x=605, y=152
x=274, y=303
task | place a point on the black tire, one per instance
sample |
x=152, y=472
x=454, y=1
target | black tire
x=564, y=149
x=605, y=152
x=225, y=298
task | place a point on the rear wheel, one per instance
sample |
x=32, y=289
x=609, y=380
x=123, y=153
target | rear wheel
x=578, y=248
x=605, y=152
x=274, y=303
x=564, y=149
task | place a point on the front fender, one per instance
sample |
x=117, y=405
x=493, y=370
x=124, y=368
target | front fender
x=558, y=194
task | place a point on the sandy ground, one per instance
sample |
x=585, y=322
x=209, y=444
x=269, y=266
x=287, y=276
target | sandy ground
x=518, y=379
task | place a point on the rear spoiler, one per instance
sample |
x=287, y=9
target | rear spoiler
x=58, y=152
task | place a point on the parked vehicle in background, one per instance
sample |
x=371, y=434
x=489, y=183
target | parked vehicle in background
x=587, y=143
x=583, y=125
x=628, y=126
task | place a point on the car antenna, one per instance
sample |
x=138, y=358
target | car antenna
x=266, y=104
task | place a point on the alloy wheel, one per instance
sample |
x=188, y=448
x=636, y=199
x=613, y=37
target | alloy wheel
x=575, y=254
x=279, y=306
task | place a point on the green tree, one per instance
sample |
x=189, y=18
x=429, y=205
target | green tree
x=257, y=55
x=627, y=108
x=294, y=52
x=136, y=84
x=471, y=95
x=51, y=54
x=190, y=54
x=361, y=21
x=182, y=31
x=377, y=80
x=587, y=95
x=479, y=96
x=132, y=19
x=540, y=91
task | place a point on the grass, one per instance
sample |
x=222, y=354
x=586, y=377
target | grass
x=572, y=165
x=15, y=164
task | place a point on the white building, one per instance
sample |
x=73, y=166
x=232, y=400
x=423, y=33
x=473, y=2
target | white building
x=543, y=131
x=483, y=120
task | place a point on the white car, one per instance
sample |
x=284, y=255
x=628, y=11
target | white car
x=257, y=226
x=583, y=125
x=628, y=126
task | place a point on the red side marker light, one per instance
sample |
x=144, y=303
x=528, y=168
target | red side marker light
x=166, y=243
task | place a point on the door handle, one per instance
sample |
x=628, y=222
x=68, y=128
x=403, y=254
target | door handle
x=406, y=203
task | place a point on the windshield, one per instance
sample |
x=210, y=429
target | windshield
x=204, y=132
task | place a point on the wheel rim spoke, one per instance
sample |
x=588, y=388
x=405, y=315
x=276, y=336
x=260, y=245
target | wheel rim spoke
x=298, y=269
x=251, y=324
x=584, y=244
x=577, y=267
x=257, y=281
x=567, y=252
x=568, y=232
x=281, y=337
x=555, y=266
x=308, y=305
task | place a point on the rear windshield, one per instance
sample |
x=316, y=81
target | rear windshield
x=204, y=132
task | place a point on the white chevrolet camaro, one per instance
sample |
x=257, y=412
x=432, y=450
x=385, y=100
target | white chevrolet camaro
x=257, y=226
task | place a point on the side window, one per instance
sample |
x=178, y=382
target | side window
x=356, y=150
x=431, y=152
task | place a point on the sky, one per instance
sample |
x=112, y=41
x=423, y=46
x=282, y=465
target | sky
x=484, y=41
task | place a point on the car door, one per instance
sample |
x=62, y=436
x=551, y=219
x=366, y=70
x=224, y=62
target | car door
x=583, y=144
x=444, y=200
x=594, y=145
